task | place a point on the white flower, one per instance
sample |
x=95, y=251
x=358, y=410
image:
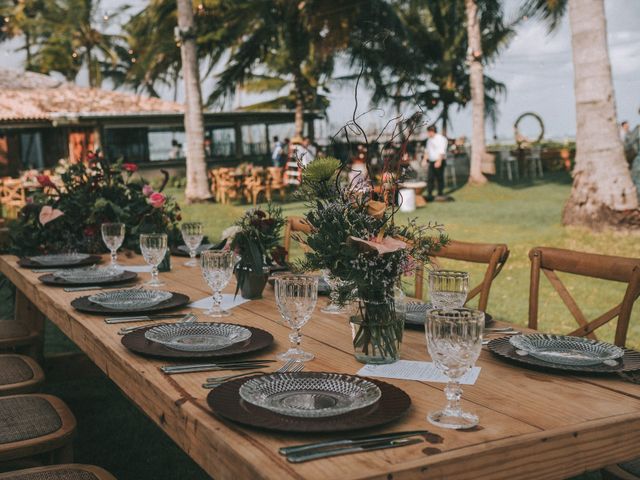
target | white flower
x=230, y=232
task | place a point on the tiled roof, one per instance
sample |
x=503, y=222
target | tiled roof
x=28, y=96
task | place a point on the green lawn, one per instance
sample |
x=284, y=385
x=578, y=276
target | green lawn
x=114, y=434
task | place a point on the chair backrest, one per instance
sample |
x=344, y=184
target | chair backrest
x=495, y=255
x=293, y=228
x=275, y=177
x=12, y=196
x=604, y=267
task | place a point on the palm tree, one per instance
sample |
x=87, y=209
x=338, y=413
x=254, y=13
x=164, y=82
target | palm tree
x=603, y=191
x=197, y=188
x=18, y=18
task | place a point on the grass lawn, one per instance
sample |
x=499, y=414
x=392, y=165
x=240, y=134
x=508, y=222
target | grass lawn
x=114, y=434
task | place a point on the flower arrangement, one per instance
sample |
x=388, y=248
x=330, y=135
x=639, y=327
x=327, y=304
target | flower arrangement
x=256, y=238
x=67, y=215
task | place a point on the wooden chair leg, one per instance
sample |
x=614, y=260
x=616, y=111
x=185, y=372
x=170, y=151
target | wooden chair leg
x=26, y=312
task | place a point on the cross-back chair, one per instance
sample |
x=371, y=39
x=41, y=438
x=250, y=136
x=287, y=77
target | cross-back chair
x=494, y=255
x=275, y=182
x=605, y=267
x=293, y=228
x=254, y=185
x=12, y=196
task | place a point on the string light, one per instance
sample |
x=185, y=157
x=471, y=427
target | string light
x=133, y=60
x=130, y=52
x=74, y=55
x=106, y=17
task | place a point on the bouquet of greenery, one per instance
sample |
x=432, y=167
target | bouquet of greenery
x=66, y=215
x=256, y=238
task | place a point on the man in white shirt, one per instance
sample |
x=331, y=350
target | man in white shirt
x=435, y=156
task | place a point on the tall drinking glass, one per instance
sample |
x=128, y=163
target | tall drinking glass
x=454, y=341
x=448, y=288
x=154, y=248
x=192, y=234
x=217, y=268
x=113, y=236
x=296, y=297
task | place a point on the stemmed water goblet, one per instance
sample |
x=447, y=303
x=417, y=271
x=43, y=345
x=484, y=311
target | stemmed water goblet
x=154, y=248
x=335, y=283
x=448, y=288
x=113, y=236
x=217, y=268
x=454, y=341
x=192, y=235
x=296, y=297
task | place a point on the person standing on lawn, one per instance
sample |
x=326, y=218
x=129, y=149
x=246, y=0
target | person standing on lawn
x=435, y=157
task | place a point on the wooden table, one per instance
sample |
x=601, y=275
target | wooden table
x=532, y=425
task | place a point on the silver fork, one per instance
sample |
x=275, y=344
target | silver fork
x=188, y=318
x=289, y=367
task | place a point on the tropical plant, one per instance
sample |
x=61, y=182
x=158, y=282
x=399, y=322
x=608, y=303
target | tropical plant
x=603, y=192
x=19, y=18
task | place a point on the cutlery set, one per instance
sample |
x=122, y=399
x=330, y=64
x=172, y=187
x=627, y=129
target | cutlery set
x=216, y=366
x=288, y=367
x=188, y=318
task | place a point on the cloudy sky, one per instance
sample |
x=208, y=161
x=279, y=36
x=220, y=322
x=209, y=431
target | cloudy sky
x=536, y=68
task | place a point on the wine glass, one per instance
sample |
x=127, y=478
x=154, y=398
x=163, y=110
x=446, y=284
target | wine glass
x=217, y=268
x=192, y=234
x=448, y=288
x=296, y=297
x=154, y=248
x=113, y=236
x=335, y=283
x=454, y=341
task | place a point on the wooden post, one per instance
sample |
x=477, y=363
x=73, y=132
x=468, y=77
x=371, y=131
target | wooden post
x=26, y=312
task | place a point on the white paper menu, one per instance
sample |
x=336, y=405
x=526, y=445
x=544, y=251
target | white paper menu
x=412, y=370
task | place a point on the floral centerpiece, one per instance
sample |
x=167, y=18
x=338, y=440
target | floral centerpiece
x=355, y=237
x=66, y=215
x=256, y=238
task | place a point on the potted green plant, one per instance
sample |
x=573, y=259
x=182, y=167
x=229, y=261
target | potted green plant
x=256, y=239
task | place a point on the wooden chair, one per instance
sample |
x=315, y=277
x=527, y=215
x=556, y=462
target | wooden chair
x=275, y=182
x=17, y=336
x=293, y=228
x=12, y=196
x=605, y=267
x=19, y=374
x=70, y=471
x=622, y=471
x=495, y=255
x=40, y=427
x=225, y=185
x=254, y=185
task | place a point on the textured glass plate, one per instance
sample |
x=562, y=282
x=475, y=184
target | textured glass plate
x=198, y=337
x=89, y=274
x=134, y=299
x=417, y=313
x=565, y=350
x=199, y=250
x=310, y=394
x=60, y=258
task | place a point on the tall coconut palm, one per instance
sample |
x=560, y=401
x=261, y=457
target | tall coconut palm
x=603, y=192
x=197, y=188
x=19, y=18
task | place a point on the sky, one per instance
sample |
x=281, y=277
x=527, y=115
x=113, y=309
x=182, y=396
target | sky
x=536, y=68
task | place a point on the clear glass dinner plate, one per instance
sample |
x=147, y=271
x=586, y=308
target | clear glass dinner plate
x=60, y=258
x=417, y=312
x=310, y=394
x=200, y=249
x=133, y=299
x=89, y=274
x=566, y=350
x=198, y=337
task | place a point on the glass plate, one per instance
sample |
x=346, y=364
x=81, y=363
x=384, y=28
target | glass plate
x=198, y=337
x=312, y=395
x=89, y=274
x=417, y=313
x=60, y=258
x=199, y=250
x=134, y=299
x=566, y=350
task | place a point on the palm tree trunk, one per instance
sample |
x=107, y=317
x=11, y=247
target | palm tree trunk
x=445, y=118
x=299, y=116
x=476, y=74
x=197, y=182
x=603, y=192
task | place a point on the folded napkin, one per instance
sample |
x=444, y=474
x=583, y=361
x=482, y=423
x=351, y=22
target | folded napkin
x=410, y=370
x=137, y=268
x=227, y=302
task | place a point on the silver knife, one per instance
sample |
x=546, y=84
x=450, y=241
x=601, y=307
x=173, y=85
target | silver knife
x=143, y=318
x=94, y=287
x=315, y=455
x=205, y=367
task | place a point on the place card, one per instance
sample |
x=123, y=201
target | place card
x=411, y=370
x=228, y=302
x=137, y=268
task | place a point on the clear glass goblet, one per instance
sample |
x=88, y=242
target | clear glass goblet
x=154, y=248
x=296, y=297
x=335, y=284
x=192, y=235
x=454, y=341
x=113, y=236
x=217, y=268
x=448, y=288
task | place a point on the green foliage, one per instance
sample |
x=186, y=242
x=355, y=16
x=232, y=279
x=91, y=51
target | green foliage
x=319, y=178
x=91, y=195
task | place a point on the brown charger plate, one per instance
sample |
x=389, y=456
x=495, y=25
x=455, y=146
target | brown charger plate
x=488, y=320
x=225, y=401
x=51, y=279
x=136, y=342
x=83, y=304
x=502, y=348
x=26, y=262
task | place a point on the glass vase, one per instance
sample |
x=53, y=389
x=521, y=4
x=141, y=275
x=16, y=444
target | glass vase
x=377, y=328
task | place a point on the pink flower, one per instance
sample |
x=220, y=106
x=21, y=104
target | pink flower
x=130, y=167
x=45, y=181
x=386, y=245
x=157, y=200
x=147, y=190
x=49, y=214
